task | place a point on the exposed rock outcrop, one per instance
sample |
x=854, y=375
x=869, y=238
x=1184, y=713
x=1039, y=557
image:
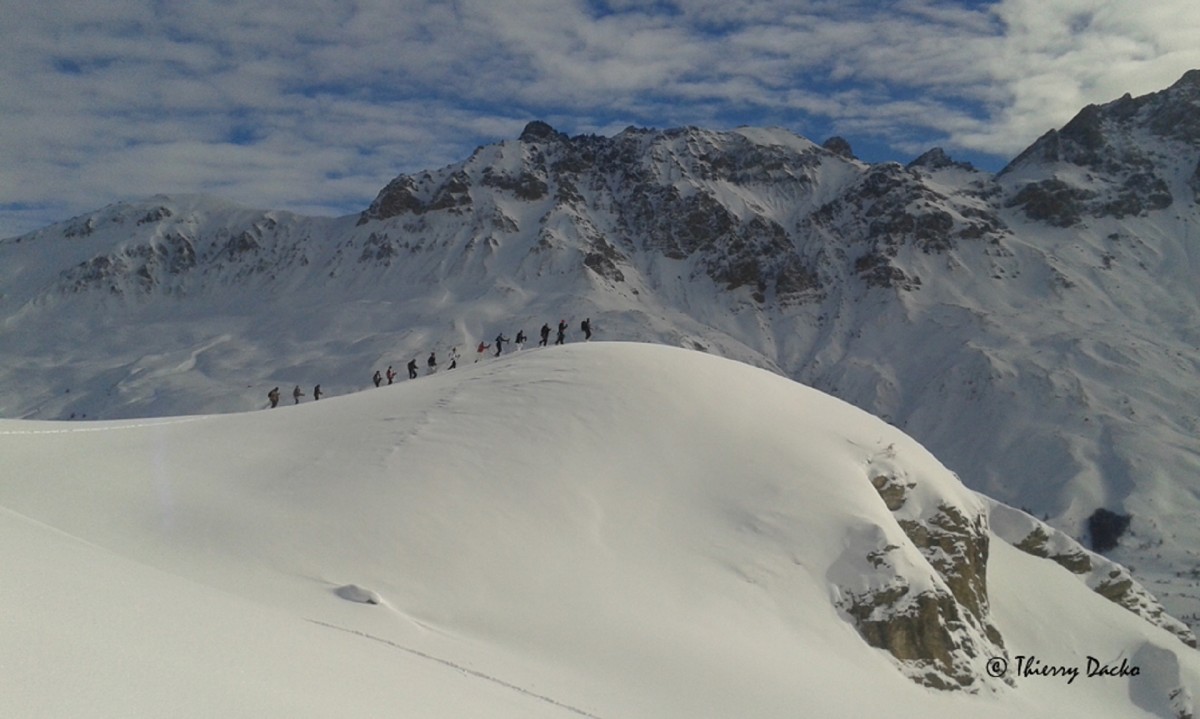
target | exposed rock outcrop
x=937, y=159
x=840, y=147
x=925, y=601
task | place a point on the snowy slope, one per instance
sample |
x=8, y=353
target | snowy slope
x=1036, y=330
x=605, y=530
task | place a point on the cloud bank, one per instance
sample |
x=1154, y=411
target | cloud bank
x=313, y=105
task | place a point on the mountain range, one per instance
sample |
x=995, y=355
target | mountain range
x=1035, y=328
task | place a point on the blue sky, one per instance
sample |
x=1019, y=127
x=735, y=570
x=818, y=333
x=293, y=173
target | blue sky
x=313, y=105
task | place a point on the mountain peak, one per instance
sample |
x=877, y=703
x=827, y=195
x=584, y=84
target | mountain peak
x=1101, y=137
x=840, y=147
x=538, y=131
x=1138, y=153
x=937, y=159
x=1189, y=81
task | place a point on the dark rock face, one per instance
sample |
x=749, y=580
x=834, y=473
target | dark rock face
x=875, y=269
x=398, y=198
x=538, y=131
x=240, y=244
x=1172, y=112
x=1051, y=201
x=892, y=490
x=920, y=636
x=378, y=249
x=1035, y=543
x=158, y=214
x=840, y=147
x=957, y=547
x=1140, y=193
x=453, y=194
x=937, y=159
x=525, y=186
x=1105, y=527
x=416, y=196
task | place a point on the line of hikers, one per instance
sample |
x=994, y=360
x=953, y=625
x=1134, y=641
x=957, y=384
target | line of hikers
x=297, y=393
x=431, y=363
x=585, y=327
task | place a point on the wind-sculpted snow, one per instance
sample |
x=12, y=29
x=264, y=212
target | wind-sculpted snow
x=601, y=530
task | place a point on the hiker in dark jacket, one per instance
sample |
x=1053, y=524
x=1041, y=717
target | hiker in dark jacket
x=317, y=393
x=432, y=362
x=273, y=396
x=562, y=332
x=297, y=393
x=586, y=326
x=500, y=340
x=520, y=339
x=412, y=368
x=545, y=335
x=377, y=378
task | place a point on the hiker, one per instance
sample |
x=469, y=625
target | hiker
x=432, y=362
x=586, y=326
x=562, y=332
x=480, y=350
x=378, y=378
x=520, y=339
x=297, y=393
x=545, y=335
x=453, y=358
x=391, y=374
x=273, y=395
x=317, y=393
x=412, y=368
x=500, y=339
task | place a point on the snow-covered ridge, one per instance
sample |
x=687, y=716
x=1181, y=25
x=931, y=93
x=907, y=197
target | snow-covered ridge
x=601, y=530
x=1049, y=363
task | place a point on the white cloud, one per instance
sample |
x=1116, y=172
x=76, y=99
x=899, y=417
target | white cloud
x=271, y=100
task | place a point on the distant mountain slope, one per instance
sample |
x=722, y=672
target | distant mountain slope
x=603, y=530
x=1037, y=329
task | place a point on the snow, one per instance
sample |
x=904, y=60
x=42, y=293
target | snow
x=1058, y=400
x=602, y=530
x=776, y=136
